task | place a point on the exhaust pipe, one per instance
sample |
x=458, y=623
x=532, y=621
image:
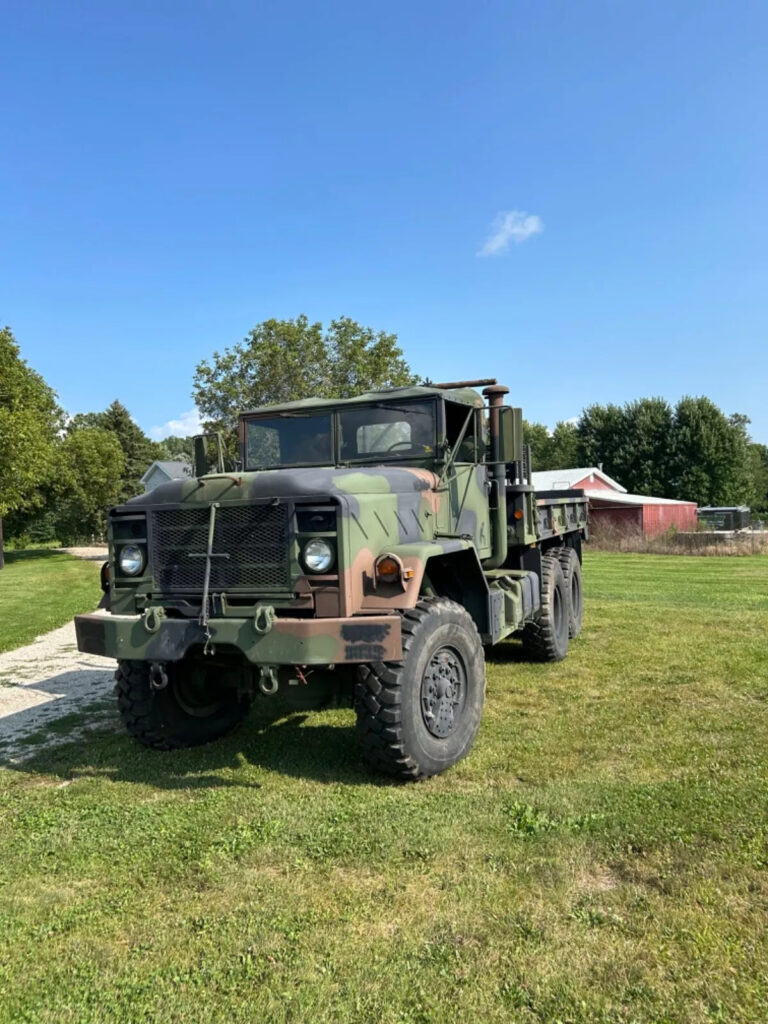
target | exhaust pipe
x=495, y=395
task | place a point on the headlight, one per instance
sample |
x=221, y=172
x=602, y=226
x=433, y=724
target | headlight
x=318, y=555
x=131, y=560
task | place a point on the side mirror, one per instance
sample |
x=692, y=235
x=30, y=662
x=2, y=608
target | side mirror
x=203, y=456
x=510, y=434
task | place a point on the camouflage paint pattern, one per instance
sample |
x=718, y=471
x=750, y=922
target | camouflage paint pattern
x=433, y=509
x=288, y=641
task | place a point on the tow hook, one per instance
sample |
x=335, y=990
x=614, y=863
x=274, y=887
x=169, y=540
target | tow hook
x=158, y=679
x=264, y=619
x=153, y=618
x=268, y=680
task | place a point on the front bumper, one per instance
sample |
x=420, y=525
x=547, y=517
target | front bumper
x=288, y=642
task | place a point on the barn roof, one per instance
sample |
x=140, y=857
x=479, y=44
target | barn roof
x=562, y=479
x=598, y=494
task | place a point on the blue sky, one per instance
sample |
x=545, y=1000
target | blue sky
x=172, y=173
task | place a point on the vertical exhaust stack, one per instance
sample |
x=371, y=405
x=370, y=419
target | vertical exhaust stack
x=495, y=396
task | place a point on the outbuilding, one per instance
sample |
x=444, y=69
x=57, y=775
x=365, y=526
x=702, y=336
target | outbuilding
x=725, y=517
x=611, y=507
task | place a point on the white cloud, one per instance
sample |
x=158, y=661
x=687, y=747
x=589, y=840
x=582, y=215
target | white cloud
x=510, y=226
x=188, y=423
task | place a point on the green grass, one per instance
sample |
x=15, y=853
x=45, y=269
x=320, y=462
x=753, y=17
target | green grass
x=40, y=590
x=601, y=856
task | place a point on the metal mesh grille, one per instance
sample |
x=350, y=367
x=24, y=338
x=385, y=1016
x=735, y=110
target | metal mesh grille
x=254, y=536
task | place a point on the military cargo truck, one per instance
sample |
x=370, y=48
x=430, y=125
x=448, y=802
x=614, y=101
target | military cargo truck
x=372, y=547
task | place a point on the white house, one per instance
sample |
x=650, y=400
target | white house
x=161, y=472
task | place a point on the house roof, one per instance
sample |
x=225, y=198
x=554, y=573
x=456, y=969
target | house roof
x=174, y=469
x=563, y=479
x=598, y=494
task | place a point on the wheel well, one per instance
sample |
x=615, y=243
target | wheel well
x=459, y=577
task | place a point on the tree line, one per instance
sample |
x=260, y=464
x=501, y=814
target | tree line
x=58, y=474
x=691, y=451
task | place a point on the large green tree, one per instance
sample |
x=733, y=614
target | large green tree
x=604, y=439
x=537, y=436
x=643, y=457
x=89, y=477
x=30, y=419
x=552, y=449
x=283, y=360
x=138, y=451
x=711, y=459
x=758, y=455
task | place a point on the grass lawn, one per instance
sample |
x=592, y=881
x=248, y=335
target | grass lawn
x=40, y=590
x=601, y=856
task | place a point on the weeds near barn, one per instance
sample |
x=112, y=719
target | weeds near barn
x=608, y=537
x=601, y=856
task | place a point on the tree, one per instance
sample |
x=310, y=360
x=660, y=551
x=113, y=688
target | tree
x=90, y=465
x=138, y=451
x=556, y=449
x=30, y=419
x=602, y=438
x=758, y=456
x=182, y=448
x=644, y=457
x=564, y=448
x=711, y=460
x=283, y=360
x=537, y=436
x=631, y=442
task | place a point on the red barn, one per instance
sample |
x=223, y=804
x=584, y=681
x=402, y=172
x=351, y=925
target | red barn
x=610, y=505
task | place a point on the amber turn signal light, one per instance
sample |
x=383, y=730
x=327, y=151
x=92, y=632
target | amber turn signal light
x=387, y=569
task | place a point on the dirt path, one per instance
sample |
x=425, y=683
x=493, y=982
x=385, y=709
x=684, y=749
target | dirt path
x=44, y=682
x=90, y=554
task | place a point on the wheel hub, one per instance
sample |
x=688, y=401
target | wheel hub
x=443, y=692
x=195, y=694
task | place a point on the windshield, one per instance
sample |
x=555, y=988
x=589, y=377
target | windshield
x=288, y=439
x=382, y=431
x=370, y=433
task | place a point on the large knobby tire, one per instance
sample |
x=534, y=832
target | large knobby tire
x=571, y=566
x=190, y=711
x=546, y=638
x=417, y=717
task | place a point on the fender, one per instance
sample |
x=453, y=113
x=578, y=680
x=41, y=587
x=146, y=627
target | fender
x=443, y=568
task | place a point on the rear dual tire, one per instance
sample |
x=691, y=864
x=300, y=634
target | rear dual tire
x=571, y=566
x=546, y=638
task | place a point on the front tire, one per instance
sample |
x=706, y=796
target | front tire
x=417, y=717
x=190, y=711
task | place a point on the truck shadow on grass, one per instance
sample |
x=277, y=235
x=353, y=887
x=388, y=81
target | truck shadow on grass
x=91, y=743
x=508, y=652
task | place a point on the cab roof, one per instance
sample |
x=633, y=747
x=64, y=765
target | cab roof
x=464, y=396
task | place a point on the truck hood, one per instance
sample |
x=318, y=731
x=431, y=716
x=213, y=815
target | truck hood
x=308, y=482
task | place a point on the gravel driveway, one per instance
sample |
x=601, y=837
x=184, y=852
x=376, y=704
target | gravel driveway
x=42, y=683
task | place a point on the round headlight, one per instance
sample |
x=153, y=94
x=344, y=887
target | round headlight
x=318, y=555
x=131, y=560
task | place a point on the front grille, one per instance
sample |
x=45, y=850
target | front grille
x=254, y=536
